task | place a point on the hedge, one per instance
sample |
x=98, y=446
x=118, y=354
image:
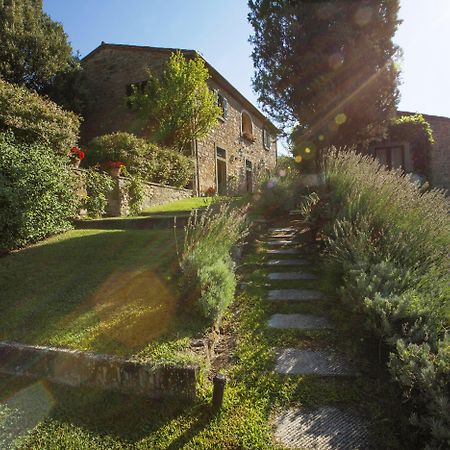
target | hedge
x=33, y=118
x=37, y=193
x=141, y=158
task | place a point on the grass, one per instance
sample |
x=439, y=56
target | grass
x=109, y=291
x=89, y=419
x=185, y=204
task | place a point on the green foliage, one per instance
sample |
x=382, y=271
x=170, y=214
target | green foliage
x=208, y=270
x=98, y=186
x=37, y=193
x=277, y=195
x=33, y=118
x=34, y=47
x=415, y=130
x=68, y=88
x=328, y=66
x=135, y=194
x=388, y=241
x=141, y=158
x=177, y=106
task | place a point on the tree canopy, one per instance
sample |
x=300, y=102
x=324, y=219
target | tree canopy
x=326, y=67
x=33, y=47
x=177, y=106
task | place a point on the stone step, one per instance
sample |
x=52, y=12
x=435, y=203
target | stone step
x=292, y=276
x=283, y=242
x=294, y=294
x=282, y=230
x=282, y=236
x=287, y=262
x=283, y=251
x=298, y=321
x=294, y=361
x=322, y=428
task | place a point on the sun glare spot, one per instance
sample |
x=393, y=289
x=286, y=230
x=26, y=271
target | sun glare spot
x=340, y=118
x=307, y=150
x=298, y=159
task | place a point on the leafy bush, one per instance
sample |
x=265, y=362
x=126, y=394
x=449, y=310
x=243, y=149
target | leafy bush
x=37, y=193
x=278, y=195
x=206, y=263
x=388, y=241
x=33, y=118
x=135, y=193
x=98, y=186
x=141, y=158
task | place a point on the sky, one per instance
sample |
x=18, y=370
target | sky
x=219, y=30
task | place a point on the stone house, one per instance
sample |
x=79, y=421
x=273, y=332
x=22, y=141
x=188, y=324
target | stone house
x=239, y=150
x=398, y=154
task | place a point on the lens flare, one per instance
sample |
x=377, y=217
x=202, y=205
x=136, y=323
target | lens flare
x=364, y=15
x=340, y=118
x=298, y=159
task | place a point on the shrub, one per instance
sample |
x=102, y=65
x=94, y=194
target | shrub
x=206, y=263
x=37, y=193
x=141, y=158
x=98, y=186
x=119, y=146
x=33, y=118
x=388, y=241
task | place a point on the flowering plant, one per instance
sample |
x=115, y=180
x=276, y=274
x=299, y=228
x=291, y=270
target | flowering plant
x=76, y=153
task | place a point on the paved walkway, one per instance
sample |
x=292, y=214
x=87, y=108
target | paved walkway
x=325, y=427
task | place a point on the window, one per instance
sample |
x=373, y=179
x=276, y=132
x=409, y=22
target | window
x=267, y=139
x=222, y=103
x=140, y=85
x=247, y=126
x=392, y=157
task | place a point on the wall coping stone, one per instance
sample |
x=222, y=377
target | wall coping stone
x=109, y=372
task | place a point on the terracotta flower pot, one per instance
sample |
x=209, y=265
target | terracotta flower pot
x=114, y=171
x=76, y=163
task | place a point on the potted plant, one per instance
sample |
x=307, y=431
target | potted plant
x=114, y=167
x=76, y=155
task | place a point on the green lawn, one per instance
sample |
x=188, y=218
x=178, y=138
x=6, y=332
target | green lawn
x=186, y=204
x=59, y=417
x=111, y=291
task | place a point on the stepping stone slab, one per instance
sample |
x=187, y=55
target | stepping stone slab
x=283, y=242
x=294, y=361
x=282, y=236
x=282, y=230
x=324, y=428
x=292, y=276
x=299, y=321
x=294, y=294
x=283, y=251
x=286, y=262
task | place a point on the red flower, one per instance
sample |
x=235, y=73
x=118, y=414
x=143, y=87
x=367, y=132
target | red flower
x=76, y=153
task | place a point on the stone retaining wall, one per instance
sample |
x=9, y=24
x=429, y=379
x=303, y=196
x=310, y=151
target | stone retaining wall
x=155, y=194
x=76, y=368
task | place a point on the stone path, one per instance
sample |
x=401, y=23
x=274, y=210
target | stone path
x=300, y=321
x=325, y=427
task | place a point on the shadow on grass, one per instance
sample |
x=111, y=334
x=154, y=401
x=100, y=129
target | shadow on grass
x=123, y=419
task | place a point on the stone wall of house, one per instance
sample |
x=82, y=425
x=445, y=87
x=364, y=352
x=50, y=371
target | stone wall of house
x=155, y=194
x=111, y=68
x=76, y=368
x=440, y=155
x=238, y=150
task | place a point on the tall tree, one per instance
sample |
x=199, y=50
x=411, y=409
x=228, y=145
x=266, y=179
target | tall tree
x=326, y=67
x=177, y=106
x=33, y=47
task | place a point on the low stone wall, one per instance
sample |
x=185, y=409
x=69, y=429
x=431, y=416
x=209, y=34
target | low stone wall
x=155, y=194
x=76, y=368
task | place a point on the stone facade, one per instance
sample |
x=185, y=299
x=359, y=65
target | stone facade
x=226, y=161
x=439, y=161
x=440, y=155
